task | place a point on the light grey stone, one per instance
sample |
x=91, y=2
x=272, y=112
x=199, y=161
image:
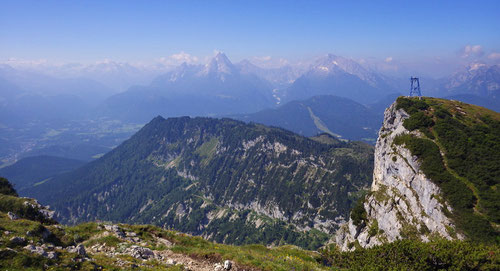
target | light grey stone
x=37, y=250
x=51, y=255
x=140, y=252
x=399, y=186
x=115, y=229
x=12, y=216
x=79, y=249
x=131, y=234
x=228, y=264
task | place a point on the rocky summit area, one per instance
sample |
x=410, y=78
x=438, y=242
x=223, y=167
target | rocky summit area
x=113, y=246
x=418, y=190
x=402, y=198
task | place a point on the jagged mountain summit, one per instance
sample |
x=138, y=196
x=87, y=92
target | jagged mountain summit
x=476, y=83
x=335, y=75
x=195, y=90
x=332, y=64
x=478, y=79
x=223, y=179
x=437, y=166
x=218, y=66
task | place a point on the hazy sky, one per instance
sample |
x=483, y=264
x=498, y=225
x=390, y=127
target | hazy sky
x=86, y=31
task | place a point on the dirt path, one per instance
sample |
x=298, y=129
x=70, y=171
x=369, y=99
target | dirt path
x=188, y=262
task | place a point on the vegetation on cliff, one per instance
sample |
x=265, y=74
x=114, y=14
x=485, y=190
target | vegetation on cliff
x=460, y=152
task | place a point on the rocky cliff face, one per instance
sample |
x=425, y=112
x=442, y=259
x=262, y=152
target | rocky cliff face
x=403, y=202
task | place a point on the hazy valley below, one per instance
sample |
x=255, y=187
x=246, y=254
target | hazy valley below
x=83, y=118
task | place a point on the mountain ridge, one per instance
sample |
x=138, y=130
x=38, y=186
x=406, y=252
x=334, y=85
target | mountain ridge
x=195, y=90
x=200, y=172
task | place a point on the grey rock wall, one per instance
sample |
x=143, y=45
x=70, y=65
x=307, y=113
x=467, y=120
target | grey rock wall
x=403, y=202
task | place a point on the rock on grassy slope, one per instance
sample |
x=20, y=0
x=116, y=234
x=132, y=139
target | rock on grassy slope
x=31, y=240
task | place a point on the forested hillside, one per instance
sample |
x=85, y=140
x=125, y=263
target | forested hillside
x=337, y=116
x=226, y=180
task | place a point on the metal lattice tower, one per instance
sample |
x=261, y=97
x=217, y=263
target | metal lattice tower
x=415, y=87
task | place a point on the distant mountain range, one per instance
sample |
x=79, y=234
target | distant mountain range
x=41, y=106
x=221, y=88
x=29, y=96
x=334, y=75
x=195, y=90
x=226, y=180
x=476, y=79
x=279, y=77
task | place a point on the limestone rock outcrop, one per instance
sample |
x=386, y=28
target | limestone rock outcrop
x=402, y=202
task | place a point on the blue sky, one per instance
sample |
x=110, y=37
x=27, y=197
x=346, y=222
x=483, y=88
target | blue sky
x=141, y=30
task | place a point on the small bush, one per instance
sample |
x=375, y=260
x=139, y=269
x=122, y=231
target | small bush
x=418, y=120
x=358, y=213
x=373, y=228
